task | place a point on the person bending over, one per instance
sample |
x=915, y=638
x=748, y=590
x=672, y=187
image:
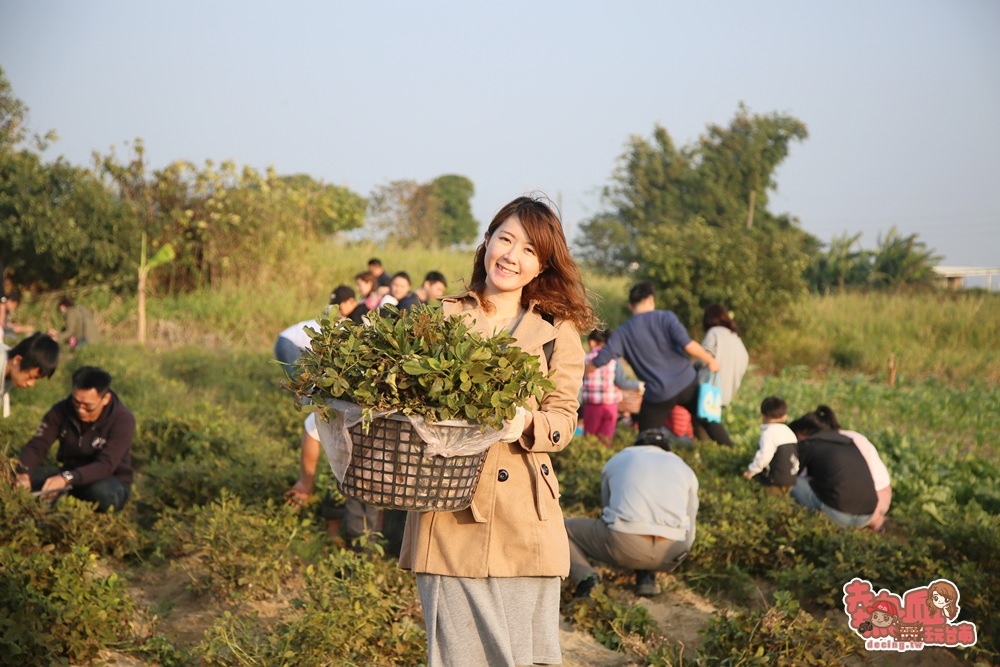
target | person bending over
x=33, y=358
x=650, y=498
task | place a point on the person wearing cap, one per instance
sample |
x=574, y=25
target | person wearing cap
x=21, y=366
x=650, y=499
x=354, y=518
x=94, y=430
x=347, y=305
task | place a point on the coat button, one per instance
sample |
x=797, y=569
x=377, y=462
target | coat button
x=503, y=475
x=555, y=436
x=545, y=469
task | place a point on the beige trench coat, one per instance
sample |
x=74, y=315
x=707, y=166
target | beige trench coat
x=514, y=527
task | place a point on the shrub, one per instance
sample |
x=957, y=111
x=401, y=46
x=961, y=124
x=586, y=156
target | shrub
x=355, y=609
x=232, y=550
x=782, y=634
x=198, y=482
x=56, y=609
x=613, y=622
x=32, y=523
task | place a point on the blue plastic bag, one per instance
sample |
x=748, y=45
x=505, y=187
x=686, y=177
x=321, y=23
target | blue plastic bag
x=710, y=400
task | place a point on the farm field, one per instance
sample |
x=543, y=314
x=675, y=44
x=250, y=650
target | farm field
x=208, y=566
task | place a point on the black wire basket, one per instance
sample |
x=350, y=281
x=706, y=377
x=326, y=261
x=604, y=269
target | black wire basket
x=389, y=469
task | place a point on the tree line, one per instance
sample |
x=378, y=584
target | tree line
x=63, y=225
x=695, y=220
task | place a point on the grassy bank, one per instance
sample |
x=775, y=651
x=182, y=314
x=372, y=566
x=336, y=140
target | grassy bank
x=951, y=336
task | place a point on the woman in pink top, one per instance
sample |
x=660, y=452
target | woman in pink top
x=880, y=474
x=367, y=289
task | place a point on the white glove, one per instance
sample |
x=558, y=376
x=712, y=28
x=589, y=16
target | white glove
x=513, y=429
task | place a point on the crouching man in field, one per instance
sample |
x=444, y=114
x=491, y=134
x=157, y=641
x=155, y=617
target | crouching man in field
x=95, y=431
x=650, y=499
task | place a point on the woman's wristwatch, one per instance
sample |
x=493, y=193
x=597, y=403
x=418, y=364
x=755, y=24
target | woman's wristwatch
x=68, y=476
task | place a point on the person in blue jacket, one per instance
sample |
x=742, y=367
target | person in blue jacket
x=658, y=348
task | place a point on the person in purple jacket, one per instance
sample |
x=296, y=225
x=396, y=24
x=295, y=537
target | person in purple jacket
x=95, y=431
x=658, y=348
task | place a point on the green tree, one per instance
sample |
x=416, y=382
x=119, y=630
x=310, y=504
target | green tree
x=902, y=261
x=841, y=265
x=696, y=220
x=392, y=213
x=12, y=115
x=60, y=227
x=735, y=165
x=322, y=208
x=13, y=120
x=453, y=195
x=435, y=214
x=227, y=223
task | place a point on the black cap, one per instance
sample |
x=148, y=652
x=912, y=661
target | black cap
x=342, y=293
x=660, y=437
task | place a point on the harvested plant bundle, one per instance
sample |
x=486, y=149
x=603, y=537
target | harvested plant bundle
x=421, y=363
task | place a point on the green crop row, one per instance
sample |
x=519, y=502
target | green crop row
x=215, y=451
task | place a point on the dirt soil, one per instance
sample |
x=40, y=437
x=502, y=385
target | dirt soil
x=679, y=612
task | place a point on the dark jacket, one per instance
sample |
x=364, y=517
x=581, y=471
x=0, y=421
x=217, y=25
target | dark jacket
x=838, y=473
x=779, y=472
x=358, y=314
x=92, y=451
x=409, y=301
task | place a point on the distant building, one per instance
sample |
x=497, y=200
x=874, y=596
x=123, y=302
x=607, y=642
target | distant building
x=954, y=276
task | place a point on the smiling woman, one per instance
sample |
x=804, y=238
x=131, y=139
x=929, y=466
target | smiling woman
x=496, y=566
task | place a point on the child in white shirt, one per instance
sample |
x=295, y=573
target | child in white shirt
x=778, y=447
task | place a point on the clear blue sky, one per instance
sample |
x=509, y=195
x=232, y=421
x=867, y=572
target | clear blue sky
x=901, y=97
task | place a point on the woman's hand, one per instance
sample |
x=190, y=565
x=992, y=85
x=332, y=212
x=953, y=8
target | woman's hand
x=516, y=427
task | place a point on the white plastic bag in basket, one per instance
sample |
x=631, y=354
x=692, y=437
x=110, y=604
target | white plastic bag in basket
x=447, y=438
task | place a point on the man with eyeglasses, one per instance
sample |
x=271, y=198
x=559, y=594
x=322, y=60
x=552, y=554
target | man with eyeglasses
x=95, y=431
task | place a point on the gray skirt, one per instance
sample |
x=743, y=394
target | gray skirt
x=490, y=622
